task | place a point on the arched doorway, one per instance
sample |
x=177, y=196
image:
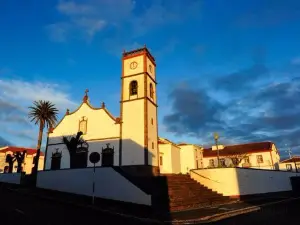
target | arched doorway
x=107, y=156
x=56, y=160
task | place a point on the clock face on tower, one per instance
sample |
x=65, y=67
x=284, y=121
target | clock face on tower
x=133, y=65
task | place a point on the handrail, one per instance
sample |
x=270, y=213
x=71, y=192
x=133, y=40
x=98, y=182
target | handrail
x=204, y=177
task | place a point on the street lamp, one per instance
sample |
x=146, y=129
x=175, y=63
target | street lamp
x=216, y=137
x=291, y=157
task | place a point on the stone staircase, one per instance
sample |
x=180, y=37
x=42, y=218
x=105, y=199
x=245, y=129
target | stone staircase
x=185, y=193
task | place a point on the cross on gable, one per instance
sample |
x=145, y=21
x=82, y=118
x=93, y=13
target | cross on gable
x=86, y=91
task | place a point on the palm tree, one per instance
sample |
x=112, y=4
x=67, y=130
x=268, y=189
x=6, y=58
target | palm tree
x=43, y=113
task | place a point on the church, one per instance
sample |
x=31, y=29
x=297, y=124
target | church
x=131, y=139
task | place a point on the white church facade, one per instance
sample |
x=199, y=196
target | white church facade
x=128, y=140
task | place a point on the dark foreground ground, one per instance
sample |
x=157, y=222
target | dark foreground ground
x=275, y=214
x=27, y=210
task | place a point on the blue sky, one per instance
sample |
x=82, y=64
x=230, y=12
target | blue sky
x=222, y=65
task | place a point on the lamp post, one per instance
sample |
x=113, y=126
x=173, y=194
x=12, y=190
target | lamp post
x=291, y=157
x=216, y=137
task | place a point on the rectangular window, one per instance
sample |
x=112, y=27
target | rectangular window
x=211, y=163
x=160, y=160
x=247, y=159
x=288, y=167
x=259, y=159
x=222, y=162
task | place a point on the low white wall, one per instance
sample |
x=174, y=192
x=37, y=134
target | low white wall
x=109, y=184
x=237, y=181
x=11, y=178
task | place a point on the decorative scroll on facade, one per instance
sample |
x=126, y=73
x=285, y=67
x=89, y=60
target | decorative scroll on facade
x=83, y=125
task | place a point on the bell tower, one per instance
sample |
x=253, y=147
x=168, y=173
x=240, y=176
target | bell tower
x=139, y=128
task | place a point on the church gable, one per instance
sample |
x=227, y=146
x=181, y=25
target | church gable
x=95, y=123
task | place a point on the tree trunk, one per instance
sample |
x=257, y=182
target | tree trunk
x=38, y=147
x=10, y=167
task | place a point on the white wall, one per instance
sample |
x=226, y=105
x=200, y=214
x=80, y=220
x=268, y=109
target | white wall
x=238, y=181
x=108, y=184
x=133, y=132
x=165, y=153
x=175, y=156
x=100, y=124
x=94, y=146
x=190, y=156
x=282, y=166
x=12, y=178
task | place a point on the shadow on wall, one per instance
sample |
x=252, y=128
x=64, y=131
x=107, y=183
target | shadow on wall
x=126, y=177
x=74, y=151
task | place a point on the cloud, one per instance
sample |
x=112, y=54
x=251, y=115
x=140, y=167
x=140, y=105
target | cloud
x=124, y=20
x=3, y=142
x=242, y=79
x=24, y=92
x=15, y=98
x=295, y=61
x=269, y=13
x=193, y=108
x=260, y=112
x=58, y=32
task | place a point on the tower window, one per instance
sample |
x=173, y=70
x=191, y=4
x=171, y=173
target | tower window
x=152, y=121
x=152, y=145
x=151, y=90
x=133, y=87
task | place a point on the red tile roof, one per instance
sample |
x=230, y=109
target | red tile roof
x=291, y=160
x=30, y=151
x=239, y=149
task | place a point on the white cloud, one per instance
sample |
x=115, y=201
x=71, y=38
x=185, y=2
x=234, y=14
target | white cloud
x=128, y=20
x=296, y=61
x=15, y=98
x=24, y=93
x=58, y=32
x=72, y=8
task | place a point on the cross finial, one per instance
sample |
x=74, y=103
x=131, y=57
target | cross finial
x=85, y=98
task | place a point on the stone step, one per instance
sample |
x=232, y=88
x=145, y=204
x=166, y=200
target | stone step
x=188, y=191
x=194, y=195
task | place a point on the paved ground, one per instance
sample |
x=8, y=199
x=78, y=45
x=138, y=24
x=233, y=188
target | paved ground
x=26, y=210
x=208, y=211
x=278, y=214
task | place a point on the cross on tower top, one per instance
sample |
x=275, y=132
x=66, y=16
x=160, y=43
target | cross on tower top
x=86, y=97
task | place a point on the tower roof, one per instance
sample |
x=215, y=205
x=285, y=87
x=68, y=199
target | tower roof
x=137, y=52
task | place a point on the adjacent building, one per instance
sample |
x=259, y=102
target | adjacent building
x=291, y=164
x=28, y=159
x=169, y=156
x=191, y=157
x=259, y=155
